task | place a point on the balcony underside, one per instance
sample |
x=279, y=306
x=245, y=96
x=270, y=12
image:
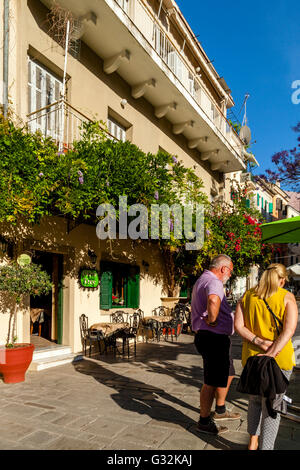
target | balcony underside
x=126, y=51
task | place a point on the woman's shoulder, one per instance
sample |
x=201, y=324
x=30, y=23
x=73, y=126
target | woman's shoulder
x=249, y=293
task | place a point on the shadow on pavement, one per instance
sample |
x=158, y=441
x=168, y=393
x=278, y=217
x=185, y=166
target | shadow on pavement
x=138, y=397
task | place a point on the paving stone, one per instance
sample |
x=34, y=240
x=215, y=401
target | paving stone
x=67, y=443
x=151, y=401
x=22, y=411
x=123, y=444
x=286, y=444
x=183, y=441
x=13, y=429
x=145, y=435
x=105, y=427
x=38, y=439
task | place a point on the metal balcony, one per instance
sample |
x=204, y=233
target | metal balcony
x=131, y=42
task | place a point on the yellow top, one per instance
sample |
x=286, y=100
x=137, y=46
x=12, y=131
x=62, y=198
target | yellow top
x=259, y=320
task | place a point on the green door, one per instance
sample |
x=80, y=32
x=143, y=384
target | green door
x=60, y=300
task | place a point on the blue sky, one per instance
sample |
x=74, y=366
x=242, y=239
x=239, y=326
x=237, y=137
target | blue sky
x=255, y=46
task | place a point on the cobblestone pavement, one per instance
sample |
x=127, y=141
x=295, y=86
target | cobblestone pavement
x=147, y=402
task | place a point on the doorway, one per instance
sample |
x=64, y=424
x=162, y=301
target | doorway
x=46, y=311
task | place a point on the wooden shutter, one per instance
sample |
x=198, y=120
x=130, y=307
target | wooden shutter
x=133, y=287
x=271, y=208
x=258, y=198
x=106, y=290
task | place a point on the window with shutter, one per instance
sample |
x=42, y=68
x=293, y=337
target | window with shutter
x=106, y=290
x=258, y=199
x=44, y=88
x=116, y=130
x=120, y=286
x=133, y=287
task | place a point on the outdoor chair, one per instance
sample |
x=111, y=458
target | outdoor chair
x=132, y=332
x=161, y=311
x=183, y=312
x=173, y=328
x=118, y=316
x=149, y=326
x=87, y=335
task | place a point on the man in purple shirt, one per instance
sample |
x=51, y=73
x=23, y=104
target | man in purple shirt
x=212, y=321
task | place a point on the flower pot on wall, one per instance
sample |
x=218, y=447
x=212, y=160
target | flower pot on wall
x=15, y=361
x=169, y=302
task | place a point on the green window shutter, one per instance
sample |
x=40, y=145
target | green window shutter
x=271, y=208
x=262, y=202
x=106, y=290
x=258, y=198
x=133, y=287
x=248, y=203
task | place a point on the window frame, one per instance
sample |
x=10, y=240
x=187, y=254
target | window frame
x=131, y=285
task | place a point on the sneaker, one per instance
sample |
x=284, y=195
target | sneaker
x=211, y=428
x=227, y=415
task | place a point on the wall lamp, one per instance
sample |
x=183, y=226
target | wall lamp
x=146, y=266
x=93, y=257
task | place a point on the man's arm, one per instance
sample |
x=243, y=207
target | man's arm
x=213, y=308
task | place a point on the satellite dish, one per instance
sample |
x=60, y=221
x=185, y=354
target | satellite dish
x=245, y=135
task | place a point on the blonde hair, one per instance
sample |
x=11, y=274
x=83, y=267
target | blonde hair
x=269, y=282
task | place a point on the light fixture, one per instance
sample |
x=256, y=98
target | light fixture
x=146, y=266
x=123, y=103
x=93, y=257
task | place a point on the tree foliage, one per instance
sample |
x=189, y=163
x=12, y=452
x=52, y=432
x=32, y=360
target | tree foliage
x=287, y=164
x=18, y=281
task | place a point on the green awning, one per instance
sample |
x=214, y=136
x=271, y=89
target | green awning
x=282, y=231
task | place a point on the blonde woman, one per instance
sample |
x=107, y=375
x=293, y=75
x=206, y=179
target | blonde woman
x=256, y=325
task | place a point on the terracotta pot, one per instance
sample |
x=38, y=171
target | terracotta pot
x=14, y=362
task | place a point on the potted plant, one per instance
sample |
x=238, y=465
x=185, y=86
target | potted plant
x=17, y=281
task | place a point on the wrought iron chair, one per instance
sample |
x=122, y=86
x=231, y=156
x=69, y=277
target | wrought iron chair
x=183, y=313
x=161, y=311
x=119, y=317
x=132, y=332
x=173, y=328
x=87, y=335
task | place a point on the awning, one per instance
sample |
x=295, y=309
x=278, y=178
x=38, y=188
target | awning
x=294, y=270
x=282, y=231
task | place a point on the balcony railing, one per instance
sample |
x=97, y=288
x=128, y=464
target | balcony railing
x=146, y=22
x=60, y=121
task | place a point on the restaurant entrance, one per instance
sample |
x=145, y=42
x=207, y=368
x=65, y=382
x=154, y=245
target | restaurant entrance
x=46, y=311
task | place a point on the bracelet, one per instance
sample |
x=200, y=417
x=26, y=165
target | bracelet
x=253, y=340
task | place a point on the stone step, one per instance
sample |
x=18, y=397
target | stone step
x=54, y=361
x=51, y=352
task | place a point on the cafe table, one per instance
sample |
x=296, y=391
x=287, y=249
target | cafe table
x=110, y=331
x=159, y=322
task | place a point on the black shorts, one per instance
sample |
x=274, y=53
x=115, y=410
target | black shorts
x=215, y=350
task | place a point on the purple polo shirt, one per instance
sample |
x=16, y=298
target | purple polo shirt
x=206, y=285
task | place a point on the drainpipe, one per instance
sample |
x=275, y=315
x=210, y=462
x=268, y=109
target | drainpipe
x=5, y=56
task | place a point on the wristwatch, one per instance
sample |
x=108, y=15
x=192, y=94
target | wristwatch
x=212, y=323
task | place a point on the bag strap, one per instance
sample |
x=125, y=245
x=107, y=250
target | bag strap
x=276, y=319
